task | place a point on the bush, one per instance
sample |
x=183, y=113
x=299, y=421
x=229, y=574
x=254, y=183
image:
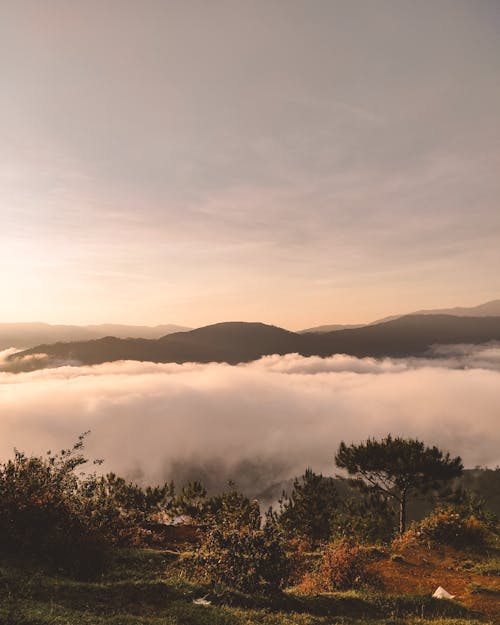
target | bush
x=301, y=558
x=240, y=553
x=445, y=526
x=43, y=515
x=122, y=509
x=343, y=566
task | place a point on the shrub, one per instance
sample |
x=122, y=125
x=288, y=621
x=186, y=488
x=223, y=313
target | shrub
x=238, y=551
x=245, y=559
x=445, y=526
x=301, y=558
x=43, y=515
x=122, y=509
x=343, y=566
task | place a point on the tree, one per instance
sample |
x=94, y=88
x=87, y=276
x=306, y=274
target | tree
x=399, y=468
x=192, y=502
x=365, y=516
x=311, y=506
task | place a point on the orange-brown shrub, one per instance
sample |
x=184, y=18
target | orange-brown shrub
x=343, y=566
x=301, y=559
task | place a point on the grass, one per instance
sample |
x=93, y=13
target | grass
x=142, y=588
x=489, y=567
x=487, y=590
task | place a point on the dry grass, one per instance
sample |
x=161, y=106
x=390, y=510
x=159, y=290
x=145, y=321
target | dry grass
x=419, y=569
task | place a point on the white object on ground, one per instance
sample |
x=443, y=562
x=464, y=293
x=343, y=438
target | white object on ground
x=441, y=593
x=202, y=601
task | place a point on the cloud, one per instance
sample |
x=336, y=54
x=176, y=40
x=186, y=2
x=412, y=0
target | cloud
x=257, y=423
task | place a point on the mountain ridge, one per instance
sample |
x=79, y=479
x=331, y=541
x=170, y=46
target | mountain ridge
x=487, y=309
x=239, y=342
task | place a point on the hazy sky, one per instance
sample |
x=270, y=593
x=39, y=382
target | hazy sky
x=290, y=162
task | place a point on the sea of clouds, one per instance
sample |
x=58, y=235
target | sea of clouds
x=258, y=423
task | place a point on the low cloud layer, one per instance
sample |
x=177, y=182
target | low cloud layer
x=257, y=423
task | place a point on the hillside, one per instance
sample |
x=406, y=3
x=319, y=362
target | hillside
x=488, y=309
x=412, y=335
x=237, y=342
x=144, y=587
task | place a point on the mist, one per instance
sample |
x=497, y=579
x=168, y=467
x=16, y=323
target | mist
x=258, y=423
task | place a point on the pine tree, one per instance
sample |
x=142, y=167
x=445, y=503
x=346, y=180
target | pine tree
x=310, y=508
x=399, y=468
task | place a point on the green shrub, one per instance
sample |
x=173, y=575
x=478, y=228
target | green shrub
x=238, y=551
x=43, y=515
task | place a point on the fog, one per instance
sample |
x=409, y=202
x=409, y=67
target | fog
x=258, y=423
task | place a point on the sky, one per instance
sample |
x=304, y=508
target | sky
x=292, y=162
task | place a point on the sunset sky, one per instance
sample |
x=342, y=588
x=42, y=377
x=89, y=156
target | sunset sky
x=290, y=162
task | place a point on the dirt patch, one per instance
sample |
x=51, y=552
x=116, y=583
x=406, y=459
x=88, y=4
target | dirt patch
x=420, y=570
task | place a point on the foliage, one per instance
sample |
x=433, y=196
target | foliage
x=310, y=508
x=44, y=514
x=467, y=503
x=238, y=551
x=192, y=502
x=369, y=518
x=231, y=508
x=343, y=566
x=126, y=506
x=447, y=527
x=137, y=589
x=301, y=558
x=399, y=468
x=54, y=513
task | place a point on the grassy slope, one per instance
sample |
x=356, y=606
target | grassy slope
x=140, y=588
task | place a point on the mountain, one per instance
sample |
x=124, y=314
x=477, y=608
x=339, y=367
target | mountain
x=237, y=342
x=412, y=335
x=331, y=328
x=489, y=309
x=25, y=335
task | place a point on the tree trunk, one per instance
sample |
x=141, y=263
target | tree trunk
x=402, y=514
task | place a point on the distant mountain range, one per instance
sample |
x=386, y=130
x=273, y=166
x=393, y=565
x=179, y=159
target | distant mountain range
x=489, y=309
x=237, y=342
x=24, y=335
x=27, y=335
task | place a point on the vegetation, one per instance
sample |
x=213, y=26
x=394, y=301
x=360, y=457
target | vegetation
x=490, y=567
x=445, y=526
x=248, y=559
x=311, y=507
x=398, y=468
x=72, y=550
x=343, y=566
x=49, y=514
x=141, y=587
x=368, y=517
